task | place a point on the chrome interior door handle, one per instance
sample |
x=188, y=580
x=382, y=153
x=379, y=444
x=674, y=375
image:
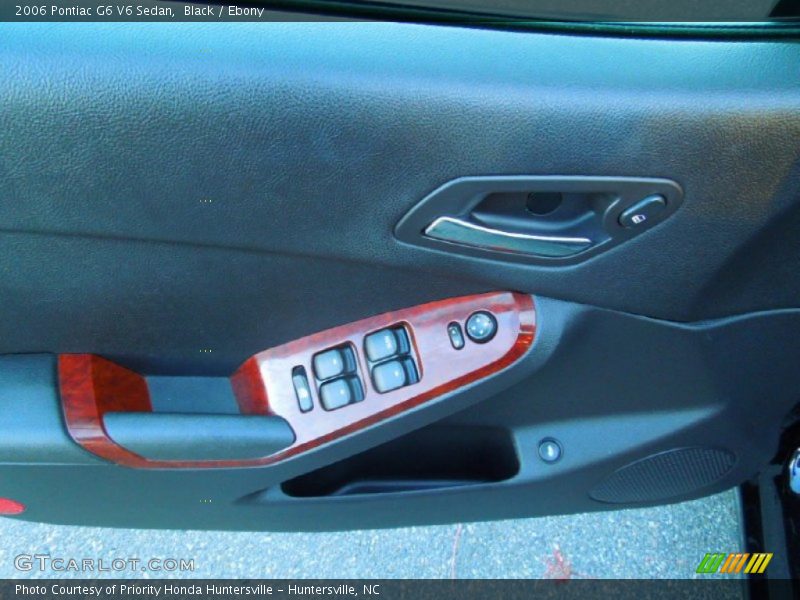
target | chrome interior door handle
x=465, y=233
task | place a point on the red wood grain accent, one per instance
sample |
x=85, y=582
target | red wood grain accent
x=251, y=395
x=92, y=386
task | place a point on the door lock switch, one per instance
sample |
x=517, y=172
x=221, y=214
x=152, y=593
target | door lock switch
x=644, y=212
x=302, y=389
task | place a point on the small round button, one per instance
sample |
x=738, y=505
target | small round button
x=549, y=450
x=481, y=326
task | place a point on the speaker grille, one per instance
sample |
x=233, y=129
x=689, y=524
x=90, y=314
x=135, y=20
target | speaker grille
x=665, y=475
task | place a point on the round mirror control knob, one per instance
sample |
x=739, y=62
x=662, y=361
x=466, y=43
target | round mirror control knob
x=481, y=326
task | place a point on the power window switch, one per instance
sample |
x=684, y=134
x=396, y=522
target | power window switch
x=334, y=362
x=386, y=343
x=340, y=392
x=393, y=375
x=381, y=344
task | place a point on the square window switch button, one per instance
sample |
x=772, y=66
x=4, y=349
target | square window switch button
x=334, y=362
x=393, y=374
x=340, y=392
x=381, y=344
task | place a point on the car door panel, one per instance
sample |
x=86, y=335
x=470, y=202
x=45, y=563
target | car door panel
x=177, y=199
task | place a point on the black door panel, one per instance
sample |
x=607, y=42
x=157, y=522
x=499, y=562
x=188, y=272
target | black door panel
x=179, y=198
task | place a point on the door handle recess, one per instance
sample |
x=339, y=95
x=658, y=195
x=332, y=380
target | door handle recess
x=459, y=231
x=548, y=220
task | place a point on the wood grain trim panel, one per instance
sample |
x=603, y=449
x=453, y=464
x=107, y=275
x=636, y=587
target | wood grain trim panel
x=92, y=386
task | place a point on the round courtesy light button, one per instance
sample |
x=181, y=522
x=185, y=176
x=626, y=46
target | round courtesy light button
x=549, y=450
x=481, y=326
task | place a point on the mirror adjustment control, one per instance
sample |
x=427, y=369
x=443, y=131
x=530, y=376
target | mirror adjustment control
x=301, y=389
x=455, y=335
x=481, y=326
x=334, y=362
